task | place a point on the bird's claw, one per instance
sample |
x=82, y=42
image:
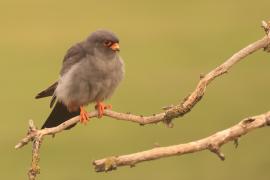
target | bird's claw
x=100, y=107
x=83, y=116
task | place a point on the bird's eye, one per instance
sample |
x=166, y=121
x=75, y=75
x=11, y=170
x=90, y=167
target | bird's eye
x=107, y=43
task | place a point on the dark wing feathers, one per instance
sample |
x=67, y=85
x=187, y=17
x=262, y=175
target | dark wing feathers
x=52, y=100
x=74, y=55
x=47, y=92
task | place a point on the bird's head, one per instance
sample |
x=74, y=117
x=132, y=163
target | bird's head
x=105, y=41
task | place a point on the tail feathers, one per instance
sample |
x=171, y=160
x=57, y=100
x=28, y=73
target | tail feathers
x=59, y=115
x=47, y=92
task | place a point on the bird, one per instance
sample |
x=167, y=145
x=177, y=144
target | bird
x=91, y=71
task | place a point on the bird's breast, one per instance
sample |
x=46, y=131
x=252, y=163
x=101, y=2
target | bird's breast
x=90, y=80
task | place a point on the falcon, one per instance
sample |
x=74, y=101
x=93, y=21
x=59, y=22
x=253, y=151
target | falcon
x=91, y=71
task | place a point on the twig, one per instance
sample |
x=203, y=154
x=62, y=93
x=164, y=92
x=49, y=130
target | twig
x=212, y=143
x=35, y=170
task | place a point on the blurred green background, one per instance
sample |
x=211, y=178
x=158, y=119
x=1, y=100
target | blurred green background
x=165, y=45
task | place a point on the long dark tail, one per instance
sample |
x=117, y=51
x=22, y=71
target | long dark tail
x=59, y=115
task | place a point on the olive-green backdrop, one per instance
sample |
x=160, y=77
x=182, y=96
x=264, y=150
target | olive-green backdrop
x=165, y=46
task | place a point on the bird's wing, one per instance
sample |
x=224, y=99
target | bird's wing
x=74, y=55
x=47, y=92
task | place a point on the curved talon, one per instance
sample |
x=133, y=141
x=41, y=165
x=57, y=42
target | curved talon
x=83, y=115
x=100, y=107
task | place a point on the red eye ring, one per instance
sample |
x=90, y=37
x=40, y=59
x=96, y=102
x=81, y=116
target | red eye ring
x=108, y=43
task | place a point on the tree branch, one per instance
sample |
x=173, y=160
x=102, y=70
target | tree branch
x=170, y=113
x=212, y=143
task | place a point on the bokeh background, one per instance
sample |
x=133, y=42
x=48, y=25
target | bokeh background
x=165, y=45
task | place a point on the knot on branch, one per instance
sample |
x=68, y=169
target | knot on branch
x=202, y=76
x=174, y=112
x=181, y=109
x=248, y=121
x=216, y=149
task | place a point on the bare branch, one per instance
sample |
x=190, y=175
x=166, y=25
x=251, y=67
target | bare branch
x=170, y=113
x=197, y=94
x=35, y=170
x=212, y=143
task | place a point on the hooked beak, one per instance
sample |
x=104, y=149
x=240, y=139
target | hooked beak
x=115, y=47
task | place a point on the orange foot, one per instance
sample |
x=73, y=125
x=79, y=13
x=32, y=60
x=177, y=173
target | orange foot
x=83, y=115
x=100, y=107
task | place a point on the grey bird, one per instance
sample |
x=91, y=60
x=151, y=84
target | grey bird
x=91, y=71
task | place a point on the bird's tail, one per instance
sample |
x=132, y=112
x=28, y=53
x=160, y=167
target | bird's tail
x=59, y=115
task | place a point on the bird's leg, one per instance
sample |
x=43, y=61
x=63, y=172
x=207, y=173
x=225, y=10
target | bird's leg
x=100, y=107
x=83, y=115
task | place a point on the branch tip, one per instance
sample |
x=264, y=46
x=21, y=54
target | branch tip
x=109, y=164
x=266, y=26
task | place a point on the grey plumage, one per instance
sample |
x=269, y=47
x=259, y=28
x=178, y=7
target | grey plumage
x=90, y=73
